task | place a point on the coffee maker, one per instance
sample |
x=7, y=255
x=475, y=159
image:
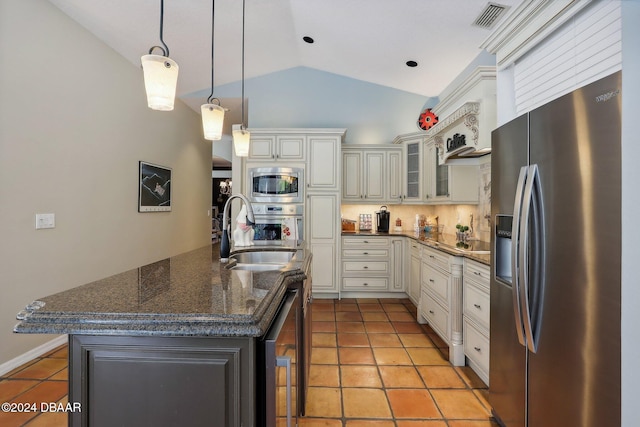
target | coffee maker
x=383, y=217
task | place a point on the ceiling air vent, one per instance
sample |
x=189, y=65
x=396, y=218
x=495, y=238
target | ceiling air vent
x=490, y=15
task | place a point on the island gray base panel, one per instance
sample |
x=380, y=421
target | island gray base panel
x=162, y=381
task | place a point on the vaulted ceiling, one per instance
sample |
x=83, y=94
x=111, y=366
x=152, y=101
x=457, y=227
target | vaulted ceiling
x=369, y=40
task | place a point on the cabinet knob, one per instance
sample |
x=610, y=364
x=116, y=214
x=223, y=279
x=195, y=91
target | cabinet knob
x=365, y=267
x=431, y=312
x=478, y=349
x=366, y=241
x=365, y=253
x=432, y=281
x=477, y=306
x=477, y=273
x=365, y=284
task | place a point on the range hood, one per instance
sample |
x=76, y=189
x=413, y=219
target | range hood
x=467, y=115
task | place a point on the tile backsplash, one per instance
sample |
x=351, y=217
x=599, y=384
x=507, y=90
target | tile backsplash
x=448, y=215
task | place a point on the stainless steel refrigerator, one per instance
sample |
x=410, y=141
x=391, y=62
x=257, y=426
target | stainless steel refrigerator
x=555, y=280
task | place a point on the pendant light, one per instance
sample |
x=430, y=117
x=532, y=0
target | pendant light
x=241, y=136
x=160, y=74
x=212, y=114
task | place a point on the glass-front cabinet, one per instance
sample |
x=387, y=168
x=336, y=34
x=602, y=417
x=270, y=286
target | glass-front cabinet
x=448, y=183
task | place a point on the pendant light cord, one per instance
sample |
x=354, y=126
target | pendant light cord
x=243, y=10
x=165, y=49
x=210, y=99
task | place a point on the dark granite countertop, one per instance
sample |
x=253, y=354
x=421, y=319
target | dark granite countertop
x=191, y=294
x=477, y=250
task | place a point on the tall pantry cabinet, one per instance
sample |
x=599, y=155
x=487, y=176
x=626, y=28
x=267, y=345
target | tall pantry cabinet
x=323, y=227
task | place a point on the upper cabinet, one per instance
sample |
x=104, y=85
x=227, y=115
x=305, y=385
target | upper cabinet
x=425, y=180
x=448, y=184
x=323, y=165
x=413, y=172
x=270, y=148
x=371, y=174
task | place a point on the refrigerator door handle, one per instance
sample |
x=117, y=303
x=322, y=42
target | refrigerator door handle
x=531, y=283
x=516, y=250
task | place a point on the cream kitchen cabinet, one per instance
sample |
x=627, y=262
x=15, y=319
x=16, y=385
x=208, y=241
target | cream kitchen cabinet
x=317, y=152
x=476, y=310
x=322, y=233
x=365, y=263
x=323, y=163
x=397, y=277
x=441, y=299
x=412, y=147
x=448, y=183
x=394, y=176
x=277, y=148
x=415, y=262
x=370, y=174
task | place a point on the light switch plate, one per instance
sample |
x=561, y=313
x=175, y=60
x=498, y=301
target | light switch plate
x=45, y=220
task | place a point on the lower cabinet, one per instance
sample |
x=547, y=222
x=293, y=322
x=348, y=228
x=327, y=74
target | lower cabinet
x=322, y=233
x=372, y=264
x=415, y=266
x=441, y=299
x=476, y=317
x=125, y=380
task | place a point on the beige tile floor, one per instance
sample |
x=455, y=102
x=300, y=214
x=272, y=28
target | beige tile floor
x=373, y=365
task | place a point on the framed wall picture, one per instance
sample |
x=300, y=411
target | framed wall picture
x=154, y=194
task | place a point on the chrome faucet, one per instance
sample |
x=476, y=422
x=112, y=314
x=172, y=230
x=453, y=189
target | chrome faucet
x=225, y=244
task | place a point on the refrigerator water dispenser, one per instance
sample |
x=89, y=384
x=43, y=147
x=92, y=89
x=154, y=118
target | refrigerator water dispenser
x=503, y=248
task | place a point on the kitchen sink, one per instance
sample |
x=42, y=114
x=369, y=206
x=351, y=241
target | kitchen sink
x=260, y=260
x=257, y=267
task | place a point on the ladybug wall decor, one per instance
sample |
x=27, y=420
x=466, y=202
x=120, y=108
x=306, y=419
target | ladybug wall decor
x=427, y=119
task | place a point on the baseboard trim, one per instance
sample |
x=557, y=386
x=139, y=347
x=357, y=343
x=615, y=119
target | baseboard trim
x=32, y=354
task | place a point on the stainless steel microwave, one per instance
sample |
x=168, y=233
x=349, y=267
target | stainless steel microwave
x=276, y=185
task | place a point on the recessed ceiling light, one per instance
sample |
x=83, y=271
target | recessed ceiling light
x=308, y=39
x=412, y=64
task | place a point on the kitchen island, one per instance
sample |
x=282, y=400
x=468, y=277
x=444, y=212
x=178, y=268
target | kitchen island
x=176, y=342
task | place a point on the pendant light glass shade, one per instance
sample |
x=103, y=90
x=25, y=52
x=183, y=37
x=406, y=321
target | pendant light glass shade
x=241, y=140
x=212, y=119
x=160, y=81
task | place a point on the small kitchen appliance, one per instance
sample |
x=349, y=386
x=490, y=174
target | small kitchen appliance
x=382, y=220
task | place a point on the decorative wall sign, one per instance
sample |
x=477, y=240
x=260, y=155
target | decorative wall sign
x=456, y=142
x=427, y=119
x=154, y=194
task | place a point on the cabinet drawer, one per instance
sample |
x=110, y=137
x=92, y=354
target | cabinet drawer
x=365, y=267
x=436, y=258
x=476, y=304
x=416, y=249
x=436, y=282
x=365, y=283
x=477, y=272
x=365, y=242
x=365, y=253
x=476, y=347
x=436, y=315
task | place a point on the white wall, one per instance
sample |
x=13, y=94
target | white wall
x=73, y=126
x=630, y=297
